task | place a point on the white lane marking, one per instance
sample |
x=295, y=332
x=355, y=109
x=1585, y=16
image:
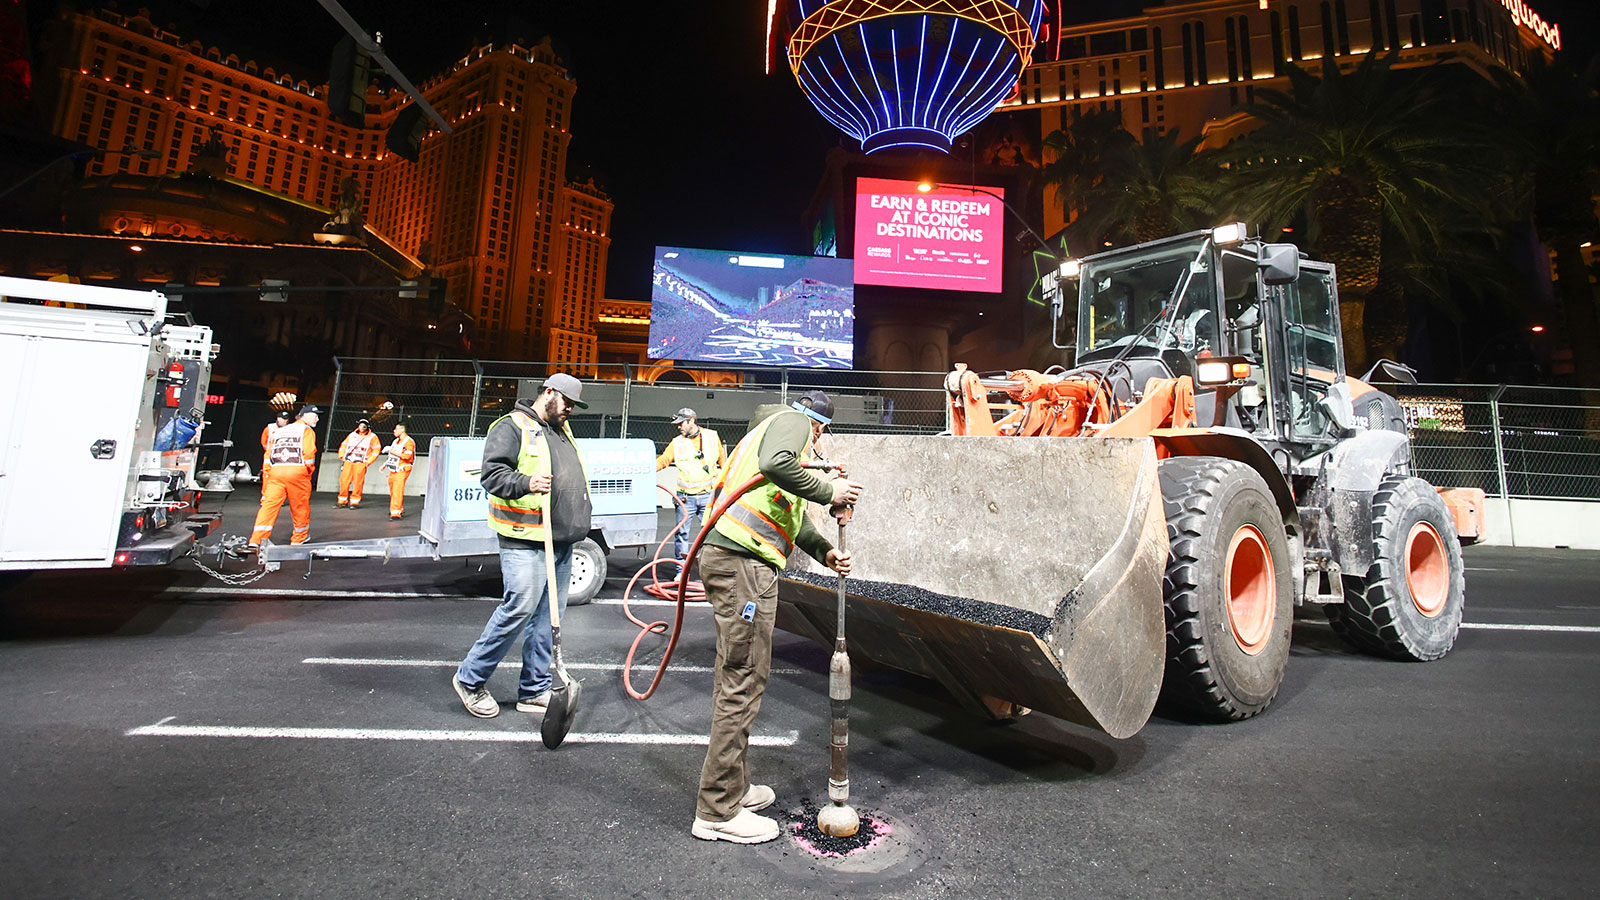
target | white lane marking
x=505, y=664
x=1492, y=626
x=314, y=592
x=1483, y=569
x=437, y=735
x=649, y=601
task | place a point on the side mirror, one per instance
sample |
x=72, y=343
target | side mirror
x=1397, y=373
x=1279, y=263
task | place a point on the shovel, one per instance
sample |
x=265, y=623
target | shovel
x=565, y=689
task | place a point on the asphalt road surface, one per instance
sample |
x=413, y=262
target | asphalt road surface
x=165, y=735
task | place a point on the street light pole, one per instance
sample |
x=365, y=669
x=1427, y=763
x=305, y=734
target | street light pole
x=927, y=186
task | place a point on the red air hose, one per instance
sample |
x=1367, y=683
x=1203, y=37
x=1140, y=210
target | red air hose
x=682, y=593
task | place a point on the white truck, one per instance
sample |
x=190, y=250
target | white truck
x=101, y=403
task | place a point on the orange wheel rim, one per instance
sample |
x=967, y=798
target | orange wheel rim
x=1252, y=589
x=1427, y=570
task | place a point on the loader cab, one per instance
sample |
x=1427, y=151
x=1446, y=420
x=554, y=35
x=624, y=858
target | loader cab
x=1149, y=310
x=1294, y=337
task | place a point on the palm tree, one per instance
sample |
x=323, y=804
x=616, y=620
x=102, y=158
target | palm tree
x=1150, y=190
x=1080, y=156
x=1355, y=157
x=1551, y=116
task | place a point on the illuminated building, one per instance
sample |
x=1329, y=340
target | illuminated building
x=487, y=206
x=1188, y=66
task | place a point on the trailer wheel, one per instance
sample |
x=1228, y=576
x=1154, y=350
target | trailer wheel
x=588, y=572
x=1228, y=589
x=1408, y=606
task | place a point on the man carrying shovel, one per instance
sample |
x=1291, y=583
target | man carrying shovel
x=538, y=491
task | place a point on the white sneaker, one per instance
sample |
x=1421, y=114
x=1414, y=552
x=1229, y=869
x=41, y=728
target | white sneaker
x=759, y=797
x=745, y=828
x=534, y=704
x=476, y=700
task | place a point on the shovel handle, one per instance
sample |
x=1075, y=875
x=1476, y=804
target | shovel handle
x=550, y=579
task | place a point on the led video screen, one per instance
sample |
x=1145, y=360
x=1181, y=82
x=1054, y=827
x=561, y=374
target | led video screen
x=751, y=309
x=949, y=238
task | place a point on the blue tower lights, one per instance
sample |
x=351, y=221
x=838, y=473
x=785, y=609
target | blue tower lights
x=910, y=72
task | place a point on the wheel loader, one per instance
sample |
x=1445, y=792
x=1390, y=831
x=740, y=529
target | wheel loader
x=1143, y=526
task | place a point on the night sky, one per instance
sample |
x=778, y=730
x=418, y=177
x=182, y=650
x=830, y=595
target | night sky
x=674, y=117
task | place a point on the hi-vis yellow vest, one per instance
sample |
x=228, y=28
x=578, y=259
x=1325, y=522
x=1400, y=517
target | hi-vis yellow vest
x=523, y=517
x=696, y=475
x=767, y=519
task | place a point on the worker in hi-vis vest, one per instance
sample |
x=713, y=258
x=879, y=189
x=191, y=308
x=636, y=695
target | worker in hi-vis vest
x=698, y=455
x=739, y=564
x=538, y=487
x=402, y=454
x=284, y=418
x=359, y=449
x=290, y=462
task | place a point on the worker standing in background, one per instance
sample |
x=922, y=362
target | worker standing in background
x=290, y=462
x=358, y=451
x=699, y=456
x=536, y=479
x=266, y=434
x=739, y=565
x=402, y=454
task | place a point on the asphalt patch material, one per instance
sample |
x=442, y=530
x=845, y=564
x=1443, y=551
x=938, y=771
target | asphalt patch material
x=802, y=825
x=980, y=611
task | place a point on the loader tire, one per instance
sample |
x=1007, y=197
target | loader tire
x=1408, y=605
x=1228, y=590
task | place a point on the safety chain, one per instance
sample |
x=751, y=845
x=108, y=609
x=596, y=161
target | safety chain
x=229, y=578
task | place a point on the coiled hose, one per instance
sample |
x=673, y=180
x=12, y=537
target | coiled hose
x=682, y=592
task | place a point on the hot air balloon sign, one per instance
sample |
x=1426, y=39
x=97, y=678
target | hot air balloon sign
x=896, y=73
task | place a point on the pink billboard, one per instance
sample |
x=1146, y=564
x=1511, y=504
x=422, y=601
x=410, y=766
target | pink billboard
x=948, y=238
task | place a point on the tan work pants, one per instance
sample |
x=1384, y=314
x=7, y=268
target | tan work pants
x=744, y=660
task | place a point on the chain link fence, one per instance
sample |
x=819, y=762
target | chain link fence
x=1509, y=440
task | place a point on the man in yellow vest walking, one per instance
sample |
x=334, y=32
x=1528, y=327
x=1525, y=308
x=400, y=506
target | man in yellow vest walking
x=536, y=480
x=698, y=455
x=739, y=565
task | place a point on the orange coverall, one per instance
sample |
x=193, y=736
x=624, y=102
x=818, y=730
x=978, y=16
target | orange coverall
x=358, y=451
x=288, y=467
x=403, y=455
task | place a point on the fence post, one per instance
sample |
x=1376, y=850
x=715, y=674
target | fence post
x=783, y=387
x=627, y=395
x=333, y=410
x=477, y=394
x=1500, y=458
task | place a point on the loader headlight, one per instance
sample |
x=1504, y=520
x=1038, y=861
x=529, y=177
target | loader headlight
x=1221, y=370
x=1231, y=233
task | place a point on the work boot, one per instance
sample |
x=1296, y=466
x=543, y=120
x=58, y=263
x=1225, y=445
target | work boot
x=534, y=704
x=476, y=700
x=745, y=828
x=759, y=797
x=338, y=506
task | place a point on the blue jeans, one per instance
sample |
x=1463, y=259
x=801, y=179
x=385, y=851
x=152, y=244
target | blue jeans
x=694, y=511
x=524, y=610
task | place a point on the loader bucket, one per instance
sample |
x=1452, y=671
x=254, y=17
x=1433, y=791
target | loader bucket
x=1026, y=571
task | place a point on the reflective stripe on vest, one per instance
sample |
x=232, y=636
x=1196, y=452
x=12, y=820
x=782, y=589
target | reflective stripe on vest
x=767, y=519
x=696, y=474
x=523, y=518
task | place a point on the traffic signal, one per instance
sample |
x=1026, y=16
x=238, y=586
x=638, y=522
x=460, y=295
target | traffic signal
x=405, y=135
x=348, y=77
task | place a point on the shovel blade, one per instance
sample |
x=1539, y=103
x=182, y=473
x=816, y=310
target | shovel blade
x=563, y=707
